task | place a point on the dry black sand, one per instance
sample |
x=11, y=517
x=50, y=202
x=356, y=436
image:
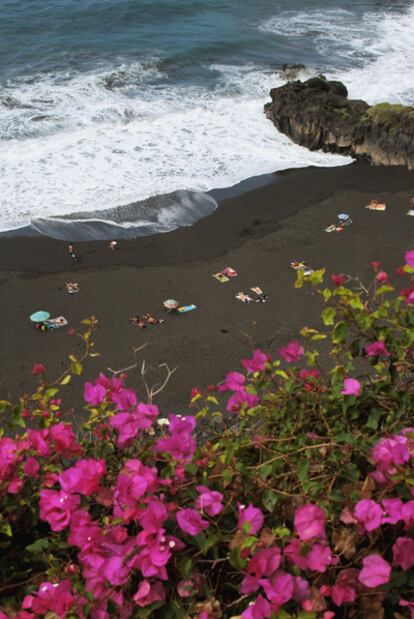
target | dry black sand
x=258, y=233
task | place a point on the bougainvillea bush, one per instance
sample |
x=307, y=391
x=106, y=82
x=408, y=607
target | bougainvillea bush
x=288, y=493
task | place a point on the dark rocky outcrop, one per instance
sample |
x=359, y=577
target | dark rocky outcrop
x=318, y=114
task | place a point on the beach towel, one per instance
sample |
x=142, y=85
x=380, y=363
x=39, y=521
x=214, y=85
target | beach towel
x=230, y=272
x=376, y=206
x=56, y=323
x=221, y=277
x=186, y=308
x=330, y=228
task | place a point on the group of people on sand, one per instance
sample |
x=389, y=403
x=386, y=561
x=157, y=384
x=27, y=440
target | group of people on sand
x=147, y=319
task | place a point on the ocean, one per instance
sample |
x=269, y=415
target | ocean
x=153, y=103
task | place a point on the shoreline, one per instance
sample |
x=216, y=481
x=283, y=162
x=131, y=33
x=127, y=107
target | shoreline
x=258, y=233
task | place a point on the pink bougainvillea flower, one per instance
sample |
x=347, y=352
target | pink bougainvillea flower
x=292, y=352
x=344, y=589
x=128, y=425
x=279, y=589
x=319, y=558
x=37, y=369
x=375, y=265
x=56, y=508
x=410, y=297
x=94, y=394
x=84, y=477
x=351, y=387
x=369, y=514
x=407, y=513
x=294, y=552
x=125, y=399
x=377, y=348
x=56, y=598
x=257, y=363
x=338, y=280
x=209, y=501
x=409, y=258
x=265, y=562
x=393, y=510
x=181, y=443
x=64, y=440
x=149, y=593
x=190, y=521
x=310, y=522
x=115, y=570
x=375, y=571
x=391, y=452
x=250, y=518
x=241, y=398
x=259, y=609
x=31, y=467
x=301, y=590
x=234, y=381
x=403, y=553
x=381, y=277
x=409, y=605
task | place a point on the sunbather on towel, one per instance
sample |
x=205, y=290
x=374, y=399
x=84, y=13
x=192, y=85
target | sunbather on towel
x=137, y=322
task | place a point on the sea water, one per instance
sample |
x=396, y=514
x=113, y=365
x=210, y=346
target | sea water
x=105, y=103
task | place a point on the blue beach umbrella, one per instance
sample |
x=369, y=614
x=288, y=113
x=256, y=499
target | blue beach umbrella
x=343, y=216
x=39, y=316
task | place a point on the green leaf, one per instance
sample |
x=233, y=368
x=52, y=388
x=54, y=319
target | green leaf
x=339, y=333
x=317, y=277
x=269, y=500
x=265, y=470
x=236, y=561
x=326, y=294
x=303, y=470
x=208, y=542
x=17, y=417
x=39, y=546
x=186, y=567
x=77, y=368
x=299, y=279
x=373, y=420
x=356, y=303
x=66, y=379
x=328, y=316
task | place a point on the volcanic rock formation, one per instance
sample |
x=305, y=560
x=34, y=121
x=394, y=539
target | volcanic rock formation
x=318, y=114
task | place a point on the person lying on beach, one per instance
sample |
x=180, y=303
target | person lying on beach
x=137, y=322
x=72, y=287
x=374, y=205
x=151, y=320
x=243, y=297
x=296, y=265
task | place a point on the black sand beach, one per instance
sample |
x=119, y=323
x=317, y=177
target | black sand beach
x=258, y=233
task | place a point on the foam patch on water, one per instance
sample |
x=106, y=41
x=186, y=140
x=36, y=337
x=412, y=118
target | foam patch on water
x=75, y=143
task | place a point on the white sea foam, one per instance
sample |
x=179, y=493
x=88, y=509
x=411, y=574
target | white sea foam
x=377, y=45
x=99, y=146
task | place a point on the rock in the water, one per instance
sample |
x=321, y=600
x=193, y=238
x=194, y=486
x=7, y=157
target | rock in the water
x=318, y=114
x=290, y=72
